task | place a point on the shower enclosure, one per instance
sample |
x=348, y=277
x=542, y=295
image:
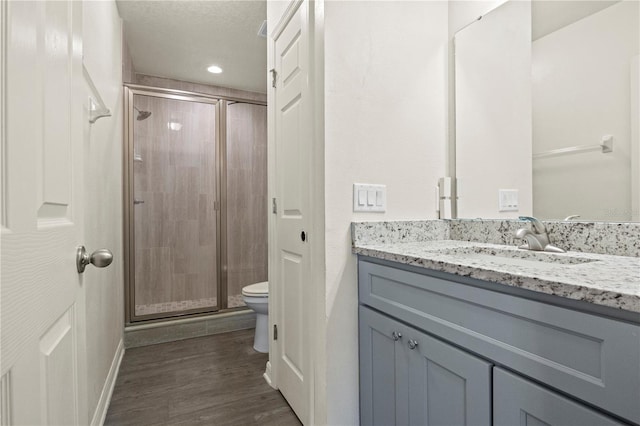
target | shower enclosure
x=195, y=202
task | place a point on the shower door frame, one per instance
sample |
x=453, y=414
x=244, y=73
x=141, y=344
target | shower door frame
x=220, y=103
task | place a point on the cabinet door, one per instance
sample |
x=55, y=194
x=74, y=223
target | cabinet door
x=431, y=383
x=517, y=401
x=447, y=386
x=383, y=371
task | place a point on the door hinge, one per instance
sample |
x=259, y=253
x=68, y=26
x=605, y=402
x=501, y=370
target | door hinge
x=274, y=76
x=275, y=332
x=274, y=207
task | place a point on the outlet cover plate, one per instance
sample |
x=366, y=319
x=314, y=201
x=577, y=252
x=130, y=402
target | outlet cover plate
x=508, y=200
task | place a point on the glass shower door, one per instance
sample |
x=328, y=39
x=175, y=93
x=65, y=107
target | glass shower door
x=246, y=198
x=175, y=244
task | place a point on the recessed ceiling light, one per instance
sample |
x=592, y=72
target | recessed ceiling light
x=174, y=125
x=214, y=69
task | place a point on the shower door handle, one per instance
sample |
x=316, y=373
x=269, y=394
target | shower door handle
x=99, y=258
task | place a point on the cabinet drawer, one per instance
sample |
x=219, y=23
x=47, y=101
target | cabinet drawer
x=519, y=402
x=596, y=359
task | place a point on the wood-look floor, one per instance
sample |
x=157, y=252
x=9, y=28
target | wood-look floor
x=212, y=380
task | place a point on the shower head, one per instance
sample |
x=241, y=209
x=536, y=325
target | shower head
x=142, y=115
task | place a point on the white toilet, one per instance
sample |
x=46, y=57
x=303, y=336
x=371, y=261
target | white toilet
x=256, y=296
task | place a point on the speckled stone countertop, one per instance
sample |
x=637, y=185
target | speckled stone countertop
x=601, y=279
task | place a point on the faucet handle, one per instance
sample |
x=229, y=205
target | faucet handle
x=537, y=225
x=531, y=240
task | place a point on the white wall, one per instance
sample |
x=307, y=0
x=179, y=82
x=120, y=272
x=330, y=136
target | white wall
x=635, y=139
x=581, y=91
x=102, y=45
x=385, y=122
x=493, y=111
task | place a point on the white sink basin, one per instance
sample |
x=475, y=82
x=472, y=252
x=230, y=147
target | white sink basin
x=515, y=256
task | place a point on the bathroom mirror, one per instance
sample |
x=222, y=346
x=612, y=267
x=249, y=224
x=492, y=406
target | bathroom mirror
x=539, y=87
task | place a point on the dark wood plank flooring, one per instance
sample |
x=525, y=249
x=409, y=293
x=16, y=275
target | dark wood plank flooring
x=212, y=380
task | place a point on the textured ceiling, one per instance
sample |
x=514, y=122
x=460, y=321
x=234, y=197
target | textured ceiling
x=180, y=39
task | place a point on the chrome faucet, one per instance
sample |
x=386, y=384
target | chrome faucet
x=536, y=238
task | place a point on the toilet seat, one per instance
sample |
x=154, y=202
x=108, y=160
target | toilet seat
x=256, y=290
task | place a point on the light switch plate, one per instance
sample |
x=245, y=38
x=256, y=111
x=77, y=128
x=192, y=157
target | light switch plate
x=369, y=198
x=508, y=200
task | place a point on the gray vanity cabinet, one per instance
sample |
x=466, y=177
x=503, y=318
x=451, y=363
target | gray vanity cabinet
x=410, y=378
x=519, y=402
x=382, y=364
x=464, y=326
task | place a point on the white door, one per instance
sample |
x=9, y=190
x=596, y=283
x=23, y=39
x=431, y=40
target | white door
x=42, y=297
x=292, y=148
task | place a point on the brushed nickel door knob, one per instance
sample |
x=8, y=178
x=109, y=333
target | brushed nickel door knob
x=99, y=258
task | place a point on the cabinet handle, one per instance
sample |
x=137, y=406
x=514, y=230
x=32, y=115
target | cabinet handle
x=412, y=344
x=396, y=335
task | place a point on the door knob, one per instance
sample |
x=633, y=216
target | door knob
x=99, y=258
x=412, y=344
x=396, y=335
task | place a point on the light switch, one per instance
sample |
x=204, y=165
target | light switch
x=362, y=197
x=369, y=198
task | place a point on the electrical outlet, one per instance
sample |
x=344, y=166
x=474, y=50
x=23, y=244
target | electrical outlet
x=507, y=200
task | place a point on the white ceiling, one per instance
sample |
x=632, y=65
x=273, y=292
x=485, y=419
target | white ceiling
x=180, y=39
x=548, y=16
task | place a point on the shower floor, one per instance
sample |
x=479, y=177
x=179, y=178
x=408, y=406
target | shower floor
x=234, y=301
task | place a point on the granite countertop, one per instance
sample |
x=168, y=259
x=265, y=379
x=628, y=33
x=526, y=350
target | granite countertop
x=601, y=279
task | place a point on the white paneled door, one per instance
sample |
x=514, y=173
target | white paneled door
x=42, y=297
x=293, y=171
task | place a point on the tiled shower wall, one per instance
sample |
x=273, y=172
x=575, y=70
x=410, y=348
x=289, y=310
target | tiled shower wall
x=175, y=184
x=175, y=243
x=247, y=206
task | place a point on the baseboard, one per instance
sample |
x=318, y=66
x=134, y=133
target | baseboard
x=267, y=375
x=187, y=328
x=107, y=390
